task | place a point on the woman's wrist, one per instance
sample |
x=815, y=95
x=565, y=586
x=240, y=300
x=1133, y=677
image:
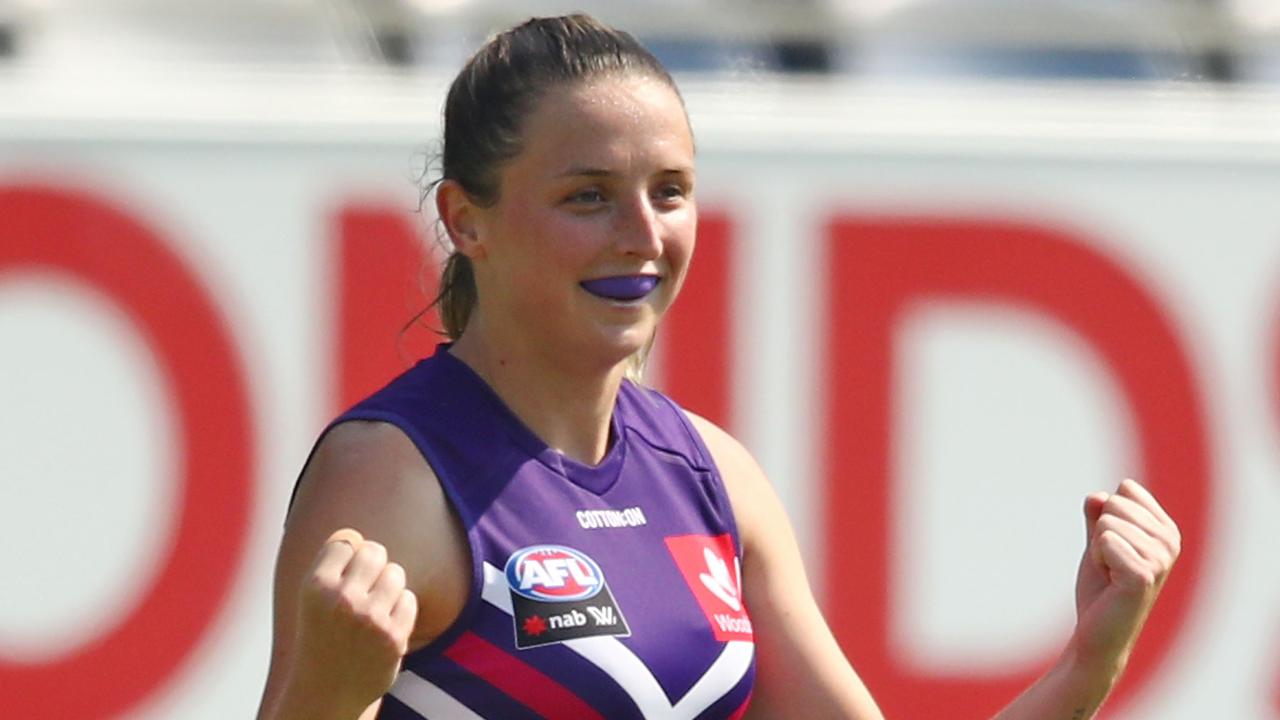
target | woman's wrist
x=1072, y=689
x=314, y=698
x=1085, y=680
x=1094, y=666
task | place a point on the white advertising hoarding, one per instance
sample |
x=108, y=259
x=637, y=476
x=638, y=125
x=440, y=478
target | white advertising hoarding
x=938, y=317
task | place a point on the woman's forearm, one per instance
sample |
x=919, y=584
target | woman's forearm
x=1070, y=690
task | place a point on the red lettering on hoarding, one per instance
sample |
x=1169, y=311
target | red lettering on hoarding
x=86, y=239
x=385, y=280
x=695, y=338
x=876, y=268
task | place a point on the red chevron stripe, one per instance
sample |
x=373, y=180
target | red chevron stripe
x=522, y=682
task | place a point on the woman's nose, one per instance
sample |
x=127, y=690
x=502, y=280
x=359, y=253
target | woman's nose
x=640, y=229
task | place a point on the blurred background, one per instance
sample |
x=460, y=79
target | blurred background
x=960, y=263
x=1192, y=40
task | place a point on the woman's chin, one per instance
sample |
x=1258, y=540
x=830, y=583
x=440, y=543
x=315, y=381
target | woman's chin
x=617, y=345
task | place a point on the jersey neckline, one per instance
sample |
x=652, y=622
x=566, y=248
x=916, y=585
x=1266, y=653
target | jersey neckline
x=596, y=478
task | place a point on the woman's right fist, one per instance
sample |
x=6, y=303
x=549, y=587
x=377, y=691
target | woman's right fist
x=355, y=616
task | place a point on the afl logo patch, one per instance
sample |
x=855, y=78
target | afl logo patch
x=553, y=573
x=558, y=594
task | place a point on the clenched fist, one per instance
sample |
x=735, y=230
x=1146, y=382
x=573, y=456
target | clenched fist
x=355, y=617
x=1132, y=546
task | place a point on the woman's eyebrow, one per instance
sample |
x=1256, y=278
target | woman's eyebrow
x=583, y=171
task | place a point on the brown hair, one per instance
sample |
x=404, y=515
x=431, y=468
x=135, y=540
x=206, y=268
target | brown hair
x=488, y=103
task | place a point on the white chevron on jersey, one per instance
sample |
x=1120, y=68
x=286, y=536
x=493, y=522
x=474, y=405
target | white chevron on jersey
x=427, y=699
x=630, y=672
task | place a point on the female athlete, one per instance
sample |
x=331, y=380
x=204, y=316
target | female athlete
x=515, y=529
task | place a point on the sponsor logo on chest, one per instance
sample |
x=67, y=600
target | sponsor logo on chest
x=559, y=593
x=711, y=569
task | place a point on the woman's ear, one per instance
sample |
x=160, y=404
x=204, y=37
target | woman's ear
x=459, y=214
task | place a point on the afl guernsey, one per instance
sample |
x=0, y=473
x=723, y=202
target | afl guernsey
x=608, y=591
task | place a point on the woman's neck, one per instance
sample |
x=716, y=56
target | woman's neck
x=568, y=408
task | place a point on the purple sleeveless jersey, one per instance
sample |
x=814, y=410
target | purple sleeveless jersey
x=611, y=591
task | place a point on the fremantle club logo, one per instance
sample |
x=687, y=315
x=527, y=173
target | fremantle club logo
x=558, y=594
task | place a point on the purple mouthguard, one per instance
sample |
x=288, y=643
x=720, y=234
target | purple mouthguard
x=621, y=287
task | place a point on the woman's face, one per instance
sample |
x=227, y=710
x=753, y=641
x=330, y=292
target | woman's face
x=595, y=222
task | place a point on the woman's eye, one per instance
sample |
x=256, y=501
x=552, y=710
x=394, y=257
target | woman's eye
x=668, y=193
x=587, y=197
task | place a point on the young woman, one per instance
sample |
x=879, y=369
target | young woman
x=515, y=529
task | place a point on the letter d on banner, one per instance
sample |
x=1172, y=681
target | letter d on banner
x=91, y=241
x=877, y=267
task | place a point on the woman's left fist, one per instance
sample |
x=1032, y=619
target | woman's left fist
x=1132, y=545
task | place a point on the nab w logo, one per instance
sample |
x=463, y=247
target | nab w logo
x=553, y=573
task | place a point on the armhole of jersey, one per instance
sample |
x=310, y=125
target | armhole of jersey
x=709, y=462
x=472, y=605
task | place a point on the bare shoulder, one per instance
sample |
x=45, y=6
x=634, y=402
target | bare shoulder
x=363, y=475
x=358, y=458
x=728, y=453
x=371, y=477
x=749, y=490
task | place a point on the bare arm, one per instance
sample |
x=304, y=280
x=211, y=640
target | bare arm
x=335, y=643
x=802, y=673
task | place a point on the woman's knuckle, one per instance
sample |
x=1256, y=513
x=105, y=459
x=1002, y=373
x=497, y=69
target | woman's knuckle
x=375, y=550
x=395, y=572
x=350, y=599
x=318, y=587
x=1147, y=577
